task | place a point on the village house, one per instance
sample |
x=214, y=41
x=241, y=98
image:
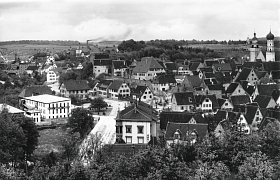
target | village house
x=184, y=133
x=118, y=89
x=77, y=88
x=137, y=124
x=265, y=101
x=206, y=103
x=235, y=89
x=164, y=82
x=182, y=101
x=47, y=109
x=11, y=110
x=147, y=69
x=222, y=67
x=119, y=68
x=142, y=93
x=225, y=104
x=101, y=88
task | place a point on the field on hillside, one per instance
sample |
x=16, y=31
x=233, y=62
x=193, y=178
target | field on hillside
x=24, y=51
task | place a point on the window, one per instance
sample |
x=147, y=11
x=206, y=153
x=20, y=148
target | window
x=119, y=129
x=257, y=113
x=226, y=104
x=128, y=129
x=140, y=140
x=128, y=139
x=140, y=129
x=182, y=107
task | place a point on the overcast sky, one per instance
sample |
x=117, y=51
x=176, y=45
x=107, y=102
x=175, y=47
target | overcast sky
x=140, y=20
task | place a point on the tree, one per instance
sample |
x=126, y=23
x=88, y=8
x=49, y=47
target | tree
x=81, y=121
x=256, y=166
x=12, y=140
x=98, y=103
x=211, y=170
x=31, y=133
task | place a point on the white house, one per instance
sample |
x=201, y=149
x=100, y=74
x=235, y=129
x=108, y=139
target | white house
x=144, y=93
x=47, y=108
x=118, y=89
x=147, y=69
x=52, y=76
x=182, y=101
x=137, y=124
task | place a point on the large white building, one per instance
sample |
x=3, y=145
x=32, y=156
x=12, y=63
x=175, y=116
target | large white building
x=46, y=109
x=270, y=53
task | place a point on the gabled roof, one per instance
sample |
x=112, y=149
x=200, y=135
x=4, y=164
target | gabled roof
x=138, y=112
x=220, y=115
x=271, y=66
x=102, y=62
x=171, y=66
x=180, y=117
x=261, y=74
x=243, y=75
x=247, y=87
x=119, y=64
x=104, y=84
x=215, y=87
x=146, y=64
x=223, y=77
x=250, y=113
x=116, y=84
x=211, y=62
x=184, y=98
x=267, y=89
x=185, y=129
x=275, y=75
x=35, y=90
x=231, y=88
x=194, y=81
x=222, y=67
x=200, y=98
x=241, y=99
x=256, y=65
x=262, y=100
x=139, y=90
x=193, y=66
x=165, y=79
x=76, y=85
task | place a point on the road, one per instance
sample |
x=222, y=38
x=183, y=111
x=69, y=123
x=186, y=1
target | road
x=104, y=131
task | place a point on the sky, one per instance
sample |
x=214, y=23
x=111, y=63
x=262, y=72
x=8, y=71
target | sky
x=139, y=20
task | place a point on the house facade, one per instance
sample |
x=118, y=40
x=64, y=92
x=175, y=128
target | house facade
x=137, y=124
x=78, y=88
x=118, y=89
x=45, y=109
x=182, y=101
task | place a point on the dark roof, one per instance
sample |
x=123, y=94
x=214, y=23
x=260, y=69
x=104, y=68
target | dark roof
x=250, y=113
x=220, y=115
x=165, y=79
x=76, y=85
x=243, y=75
x=223, y=77
x=102, y=62
x=171, y=66
x=104, y=84
x=256, y=65
x=222, y=67
x=271, y=66
x=185, y=129
x=35, y=90
x=211, y=62
x=262, y=100
x=231, y=88
x=247, y=87
x=209, y=75
x=194, y=81
x=216, y=87
x=146, y=64
x=275, y=75
x=139, y=111
x=221, y=101
x=116, y=84
x=179, y=117
x=261, y=74
x=184, y=98
x=241, y=99
x=119, y=64
x=193, y=66
x=139, y=90
x=267, y=89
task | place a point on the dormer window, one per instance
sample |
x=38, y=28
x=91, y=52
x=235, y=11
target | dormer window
x=177, y=135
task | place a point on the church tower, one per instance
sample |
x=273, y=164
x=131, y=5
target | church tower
x=254, y=50
x=270, y=53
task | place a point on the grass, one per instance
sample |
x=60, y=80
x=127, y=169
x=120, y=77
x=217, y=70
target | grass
x=50, y=140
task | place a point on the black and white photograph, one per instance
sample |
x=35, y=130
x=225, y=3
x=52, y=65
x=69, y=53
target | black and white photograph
x=144, y=90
